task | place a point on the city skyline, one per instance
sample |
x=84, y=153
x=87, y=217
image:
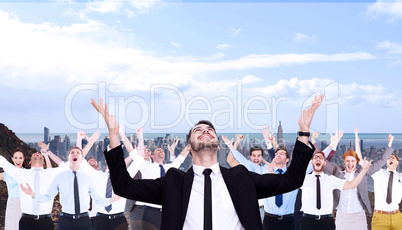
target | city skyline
x=164, y=65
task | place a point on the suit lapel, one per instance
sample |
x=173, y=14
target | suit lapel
x=187, y=185
x=230, y=183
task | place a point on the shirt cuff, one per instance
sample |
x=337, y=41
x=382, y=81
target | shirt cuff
x=269, y=145
x=133, y=153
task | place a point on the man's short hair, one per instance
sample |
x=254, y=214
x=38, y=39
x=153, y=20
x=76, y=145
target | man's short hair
x=256, y=148
x=284, y=149
x=205, y=122
x=397, y=158
x=153, y=151
x=75, y=147
x=319, y=152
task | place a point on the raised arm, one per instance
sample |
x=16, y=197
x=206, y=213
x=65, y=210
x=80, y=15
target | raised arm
x=269, y=137
x=91, y=141
x=356, y=181
x=230, y=159
x=110, y=121
x=173, y=146
x=384, y=157
x=46, y=156
x=45, y=147
x=357, y=143
x=124, y=139
x=80, y=136
x=306, y=118
x=239, y=138
x=314, y=136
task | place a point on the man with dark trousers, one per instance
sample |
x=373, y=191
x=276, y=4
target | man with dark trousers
x=208, y=195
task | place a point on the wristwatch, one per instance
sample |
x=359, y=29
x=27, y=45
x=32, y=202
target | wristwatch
x=306, y=134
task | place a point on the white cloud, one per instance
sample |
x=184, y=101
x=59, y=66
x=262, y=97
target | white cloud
x=234, y=31
x=349, y=94
x=174, y=44
x=392, y=47
x=129, y=13
x=392, y=9
x=106, y=6
x=223, y=46
x=61, y=57
x=143, y=4
x=302, y=38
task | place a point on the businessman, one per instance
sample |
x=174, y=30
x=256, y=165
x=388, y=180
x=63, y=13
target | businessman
x=208, y=195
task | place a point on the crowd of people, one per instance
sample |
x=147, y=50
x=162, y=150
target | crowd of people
x=289, y=192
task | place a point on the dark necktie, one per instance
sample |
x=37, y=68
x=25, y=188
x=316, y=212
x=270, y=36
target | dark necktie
x=162, y=170
x=207, y=200
x=279, y=198
x=318, y=192
x=389, y=189
x=90, y=204
x=108, y=193
x=76, y=195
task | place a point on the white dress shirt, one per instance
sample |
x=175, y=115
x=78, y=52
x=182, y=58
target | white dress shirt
x=100, y=179
x=151, y=170
x=349, y=201
x=309, y=191
x=380, y=190
x=64, y=183
x=27, y=176
x=224, y=215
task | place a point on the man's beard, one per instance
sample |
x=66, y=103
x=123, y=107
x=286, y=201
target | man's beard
x=201, y=146
x=319, y=169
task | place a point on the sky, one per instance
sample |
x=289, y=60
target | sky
x=164, y=65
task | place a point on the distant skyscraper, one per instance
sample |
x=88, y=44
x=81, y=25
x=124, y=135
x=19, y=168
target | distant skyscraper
x=280, y=135
x=352, y=144
x=361, y=146
x=46, y=136
x=68, y=142
x=324, y=144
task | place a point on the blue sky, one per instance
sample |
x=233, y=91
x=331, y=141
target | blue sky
x=165, y=65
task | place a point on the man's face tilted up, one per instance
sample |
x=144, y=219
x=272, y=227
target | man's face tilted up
x=203, y=136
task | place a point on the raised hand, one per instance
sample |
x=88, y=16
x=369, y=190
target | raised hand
x=239, y=138
x=357, y=134
x=172, y=147
x=94, y=137
x=110, y=121
x=43, y=146
x=314, y=136
x=390, y=140
x=27, y=190
x=272, y=166
x=366, y=164
x=44, y=152
x=80, y=135
x=228, y=142
x=306, y=116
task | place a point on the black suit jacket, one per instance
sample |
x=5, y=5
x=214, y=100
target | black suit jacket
x=173, y=190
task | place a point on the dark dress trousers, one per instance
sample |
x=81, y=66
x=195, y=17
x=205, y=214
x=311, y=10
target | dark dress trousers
x=173, y=190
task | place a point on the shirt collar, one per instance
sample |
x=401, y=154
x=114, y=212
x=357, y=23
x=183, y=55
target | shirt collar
x=33, y=168
x=390, y=170
x=284, y=169
x=199, y=169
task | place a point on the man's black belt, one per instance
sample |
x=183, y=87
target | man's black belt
x=317, y=217
x=110, y=217
x=36, y=217
x=279, y=217
x=74, y=216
